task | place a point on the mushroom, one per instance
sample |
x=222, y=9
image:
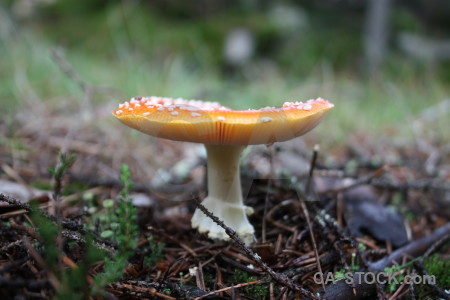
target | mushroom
x=225, y=133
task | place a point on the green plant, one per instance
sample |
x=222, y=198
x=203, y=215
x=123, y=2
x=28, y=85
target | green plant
x=155, y=253
x=75, y=285
x=362, y=247
x=117, y=220
x=65, y=162
x=339, y=275
x=125, y=233
x=355, y=265
x=398, y=271
x=258, y=291
x=399, y=274
x=72, y=284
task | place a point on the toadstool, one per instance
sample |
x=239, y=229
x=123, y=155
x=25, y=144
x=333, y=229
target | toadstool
x=225, y=133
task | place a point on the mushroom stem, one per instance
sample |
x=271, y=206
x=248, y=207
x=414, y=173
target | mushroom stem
x=223, y=172
x=224, y=195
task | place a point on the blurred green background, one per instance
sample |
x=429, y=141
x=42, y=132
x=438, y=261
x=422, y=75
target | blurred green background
x=385, y=66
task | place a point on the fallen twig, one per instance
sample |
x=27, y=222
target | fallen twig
x=414, y=249
x=145, y=290
x=75, y=230
x=343, y=291
x=360, y=181
x=237, y=286
x=305, y=209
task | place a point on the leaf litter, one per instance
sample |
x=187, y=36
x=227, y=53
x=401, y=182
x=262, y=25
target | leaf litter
x=367, y=203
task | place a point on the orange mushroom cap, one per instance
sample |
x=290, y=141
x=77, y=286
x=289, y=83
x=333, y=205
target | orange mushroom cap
x=211, y=123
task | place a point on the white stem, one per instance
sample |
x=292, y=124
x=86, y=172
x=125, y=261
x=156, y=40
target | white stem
x=224, y=195
x=223, y=173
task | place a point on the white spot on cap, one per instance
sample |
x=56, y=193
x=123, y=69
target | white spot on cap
x=118, y=112
x=170, y=108
x=174, y=113
x=130, y=109
x=194, y=114
x=161, y=108
x=266, y=119
x=146, y=114
x=307, y=107
x=137, y=105
x=220, y=119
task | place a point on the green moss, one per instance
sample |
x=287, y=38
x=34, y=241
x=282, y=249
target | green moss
x=258, y=291
x=440, y=268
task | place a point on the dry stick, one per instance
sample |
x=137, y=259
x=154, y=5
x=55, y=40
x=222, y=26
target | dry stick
x=436, y=246
x=312, y=166
x=10, y=200
x=272, y=212
x=305, y=210
x=199, y=277
x=150, y=291
x=414, y=248
x=68, y=70
x=71, y=226
x=313, y=239
x=271, y=291
x=237, y=286
x=398, y=292
x=31, y=232
x=266, y=200
x=54, y=281
x=363, y=180
x=11, y=283
x=427, y=184
x=279, y=278
x=411, y=286
x=86, y=88
x=66, y=223
x=14, y=264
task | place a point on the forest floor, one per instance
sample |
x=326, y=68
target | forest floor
x=75, y=226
